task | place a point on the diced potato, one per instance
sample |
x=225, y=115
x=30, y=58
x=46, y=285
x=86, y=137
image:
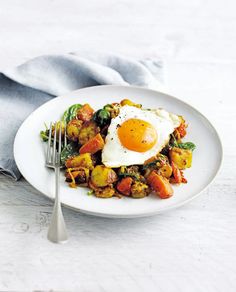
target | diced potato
x=132, y=171
x=163, y=159
x=106, y=192
x=102, y=176
x=181, y=157
x=156, y=161
x=139, y=190
x=83, y=160
x=165, y=170
x=150, y=160
x=73, y=129
x=87, y=132
x=159, y=162
x=80, y=175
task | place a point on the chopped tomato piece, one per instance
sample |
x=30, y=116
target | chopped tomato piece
x=178, y=174
x=182, y=128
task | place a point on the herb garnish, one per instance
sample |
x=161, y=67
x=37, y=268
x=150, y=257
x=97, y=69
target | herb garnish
x=187, y=145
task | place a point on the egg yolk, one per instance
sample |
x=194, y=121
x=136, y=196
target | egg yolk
x=137, y=135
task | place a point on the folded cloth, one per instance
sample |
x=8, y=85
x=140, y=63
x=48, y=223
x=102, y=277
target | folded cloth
x=24, y=88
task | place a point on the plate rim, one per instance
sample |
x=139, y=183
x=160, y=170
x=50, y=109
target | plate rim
x=141, y=214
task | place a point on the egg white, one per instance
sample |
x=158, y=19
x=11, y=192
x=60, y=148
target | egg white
x=114, y=154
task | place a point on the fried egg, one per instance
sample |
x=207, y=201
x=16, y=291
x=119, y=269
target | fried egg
x=136, y=135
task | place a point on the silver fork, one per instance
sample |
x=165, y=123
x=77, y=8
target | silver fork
x=57, y=230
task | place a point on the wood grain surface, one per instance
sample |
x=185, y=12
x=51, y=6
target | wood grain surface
x=192, y=248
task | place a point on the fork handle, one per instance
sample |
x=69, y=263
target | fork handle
x=57, y=186
x=57, y=230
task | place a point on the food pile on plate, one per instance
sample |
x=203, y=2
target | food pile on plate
x=124, y=150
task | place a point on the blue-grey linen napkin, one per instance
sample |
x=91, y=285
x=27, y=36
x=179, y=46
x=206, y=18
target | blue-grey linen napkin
x=24, y=88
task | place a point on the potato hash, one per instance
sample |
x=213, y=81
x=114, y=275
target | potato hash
x=123, y=149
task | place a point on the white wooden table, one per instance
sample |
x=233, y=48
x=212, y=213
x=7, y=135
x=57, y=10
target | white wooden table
x=192, y=248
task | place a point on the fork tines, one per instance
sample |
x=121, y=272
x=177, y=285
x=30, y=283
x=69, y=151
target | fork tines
x=54, y=144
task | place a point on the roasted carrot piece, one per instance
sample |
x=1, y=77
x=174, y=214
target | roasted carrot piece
x=160, y=185
x=124, y=186
x=85, y=113
x=93, y=145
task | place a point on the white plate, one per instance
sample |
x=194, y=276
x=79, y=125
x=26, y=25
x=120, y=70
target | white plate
x=29, y=152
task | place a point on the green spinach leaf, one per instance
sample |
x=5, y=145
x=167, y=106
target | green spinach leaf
x=44, y=135
x=188, y=145
x=126, y=174
x=68, y=151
